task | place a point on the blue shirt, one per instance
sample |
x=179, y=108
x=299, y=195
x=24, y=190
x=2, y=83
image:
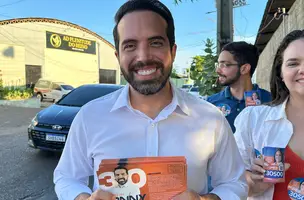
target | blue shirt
x=231, y=106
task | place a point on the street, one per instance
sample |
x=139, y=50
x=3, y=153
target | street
x=25, y=173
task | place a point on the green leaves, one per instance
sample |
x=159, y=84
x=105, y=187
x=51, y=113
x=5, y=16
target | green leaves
x=180, y=1
x=202, y=70
x=174, y=73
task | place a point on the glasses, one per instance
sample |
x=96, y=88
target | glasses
x=224, y=65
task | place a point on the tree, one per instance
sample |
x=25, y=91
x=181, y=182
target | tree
x=180, y=1
x=174, y=73
x=202, y=70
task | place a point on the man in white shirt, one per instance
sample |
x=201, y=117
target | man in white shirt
x=150, y=117
x=125, y=188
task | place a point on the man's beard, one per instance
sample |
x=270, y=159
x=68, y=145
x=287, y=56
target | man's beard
x=230, y=81
x=122, y=181
x=147, y=87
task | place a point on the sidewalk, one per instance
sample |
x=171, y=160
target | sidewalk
x=27, y=103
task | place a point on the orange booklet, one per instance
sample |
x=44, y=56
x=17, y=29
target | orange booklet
x=145, y=178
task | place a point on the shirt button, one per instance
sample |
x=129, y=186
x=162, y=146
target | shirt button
x=153, y=125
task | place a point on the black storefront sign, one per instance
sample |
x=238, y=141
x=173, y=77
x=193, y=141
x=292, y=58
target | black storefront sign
x=70, y=43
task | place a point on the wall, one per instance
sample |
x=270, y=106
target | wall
x=291, y=22
x=12, y=64
x=72, y=67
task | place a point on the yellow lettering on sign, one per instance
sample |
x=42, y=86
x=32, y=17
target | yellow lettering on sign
x=66, y=38
x=71, y=44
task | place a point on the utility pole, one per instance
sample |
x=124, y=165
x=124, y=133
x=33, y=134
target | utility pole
x=225, y=20
x=224, y=23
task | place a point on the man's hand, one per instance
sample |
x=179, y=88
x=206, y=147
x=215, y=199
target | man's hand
x=190, y=195
x=102, y=195
x=97, y=195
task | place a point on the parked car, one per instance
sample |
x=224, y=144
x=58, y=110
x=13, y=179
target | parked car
x=48, y=90
x=186, y=87
x=49, y=128
x=195, y=91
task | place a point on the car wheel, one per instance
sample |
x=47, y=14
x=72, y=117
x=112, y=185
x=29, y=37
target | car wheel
x=39, y=96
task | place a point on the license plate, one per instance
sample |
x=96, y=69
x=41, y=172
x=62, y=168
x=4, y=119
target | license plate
x=55, y=138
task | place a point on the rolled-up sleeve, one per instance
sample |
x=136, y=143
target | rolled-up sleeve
x=243, y=136
x=226, y=167
x=72, y=173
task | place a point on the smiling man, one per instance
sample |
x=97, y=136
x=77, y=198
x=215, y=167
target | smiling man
x=236, y=65
x=124, y=188
x=150, y=117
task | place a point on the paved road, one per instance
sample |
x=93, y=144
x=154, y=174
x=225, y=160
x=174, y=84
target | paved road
x=25, y=173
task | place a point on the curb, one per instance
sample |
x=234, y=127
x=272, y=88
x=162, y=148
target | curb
x=27, y=103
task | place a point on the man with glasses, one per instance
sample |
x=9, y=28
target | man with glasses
x=236, y=65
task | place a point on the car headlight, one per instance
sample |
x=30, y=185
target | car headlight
x=34, y=121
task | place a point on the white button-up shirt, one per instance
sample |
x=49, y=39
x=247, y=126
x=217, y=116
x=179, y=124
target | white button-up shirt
x=259, y=126
x=109, y=128
x=126, y=190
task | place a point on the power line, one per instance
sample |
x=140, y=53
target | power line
x=37, y=54
x=3, y=15
x=199, y=32
x=48, y=25
x=214, y=11
x=241, y=10
x=275, y=17
x=9, y=4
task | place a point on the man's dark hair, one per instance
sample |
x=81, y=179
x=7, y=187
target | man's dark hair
x=243, y=53
x=121, y=167
x=148, y=5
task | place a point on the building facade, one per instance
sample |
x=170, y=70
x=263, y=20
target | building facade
x=33, y=48
x=273, y=28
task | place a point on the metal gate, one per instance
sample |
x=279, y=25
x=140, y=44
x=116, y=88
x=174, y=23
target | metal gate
x=32, y=75
x=107, y=76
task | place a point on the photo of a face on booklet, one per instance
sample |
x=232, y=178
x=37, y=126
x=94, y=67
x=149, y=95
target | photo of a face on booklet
x=148, y=178
x=252, y=98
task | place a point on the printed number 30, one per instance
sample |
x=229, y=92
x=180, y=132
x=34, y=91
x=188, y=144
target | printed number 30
x=110, y=179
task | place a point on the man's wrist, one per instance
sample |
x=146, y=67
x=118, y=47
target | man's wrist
x=83, y=196
x=210, y=197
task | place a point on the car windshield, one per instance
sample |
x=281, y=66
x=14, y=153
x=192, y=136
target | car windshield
x=84, y=94
x=194, y=89
x=67, y=87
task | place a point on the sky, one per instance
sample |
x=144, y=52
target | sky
x=192, y=23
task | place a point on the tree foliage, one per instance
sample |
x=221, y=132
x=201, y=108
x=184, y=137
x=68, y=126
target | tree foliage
x=180, y=1
x=202, y=70
x=174, y=73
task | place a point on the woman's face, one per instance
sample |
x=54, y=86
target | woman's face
x=302, y=187
x=278, y=156
x=254, y=96
x=293, y=67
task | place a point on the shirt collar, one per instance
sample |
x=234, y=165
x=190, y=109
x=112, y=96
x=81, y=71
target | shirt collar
x=229, y=95
x=179, y=100
x=123, y=100
x=278, y=112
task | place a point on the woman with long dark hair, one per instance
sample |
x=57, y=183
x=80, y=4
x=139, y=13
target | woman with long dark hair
x=279, y=124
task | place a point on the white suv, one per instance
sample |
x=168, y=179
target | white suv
x=48, y=90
